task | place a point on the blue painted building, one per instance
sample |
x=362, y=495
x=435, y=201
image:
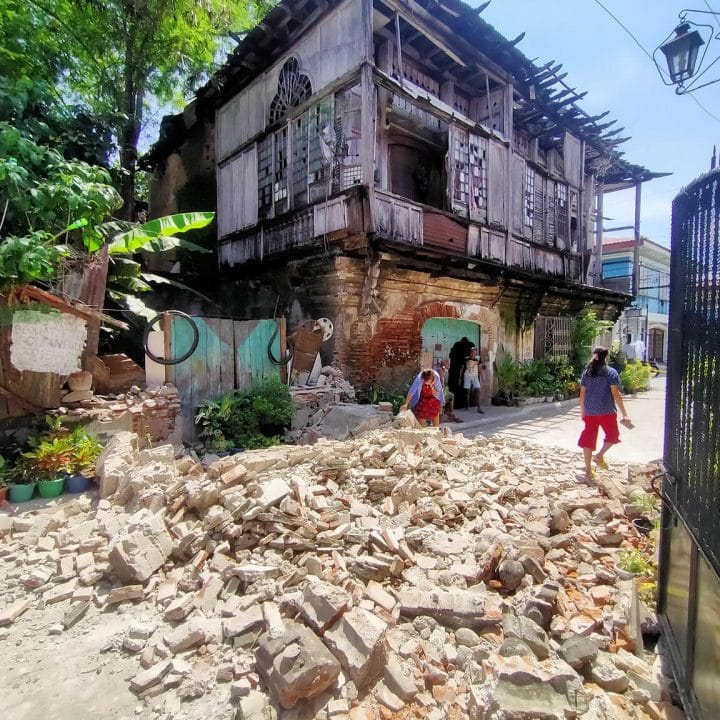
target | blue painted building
x=646, y=321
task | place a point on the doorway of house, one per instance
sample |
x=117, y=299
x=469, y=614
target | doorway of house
x=438, y=337
x=656, y=340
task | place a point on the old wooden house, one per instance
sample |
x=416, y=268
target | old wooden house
x=399, y=167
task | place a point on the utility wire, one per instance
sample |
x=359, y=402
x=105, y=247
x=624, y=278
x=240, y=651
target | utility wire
x=640, y=45
x=715, y=15
x=618, y=21
x=703, y=108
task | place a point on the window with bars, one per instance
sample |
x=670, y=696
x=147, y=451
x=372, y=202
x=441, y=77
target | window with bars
x=280, y=175
x=561, y=210
x=461, y=168
x=314, y=154
x=478, y=150
x=347, y=165
x=529, y=204
x=300, y=159
x=293, y=89
x=321, y=148
x=538, y=215
x=265, y=175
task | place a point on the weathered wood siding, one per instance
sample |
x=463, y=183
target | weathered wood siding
x=332, y=48
x=238, y=192
x=397, y=219
x=230, y=354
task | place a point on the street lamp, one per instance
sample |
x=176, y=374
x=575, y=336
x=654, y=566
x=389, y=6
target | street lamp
x=681, y=50
x=681, y=53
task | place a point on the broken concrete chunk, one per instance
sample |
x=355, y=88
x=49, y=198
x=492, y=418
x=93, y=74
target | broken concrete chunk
x=135, y=556
x=460, y=608
x=358, y=640
x=322, y=605
x=295, y=665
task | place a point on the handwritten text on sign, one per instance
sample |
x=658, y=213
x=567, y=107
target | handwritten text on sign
x=47, y=342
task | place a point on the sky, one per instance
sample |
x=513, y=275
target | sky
x=669, y=133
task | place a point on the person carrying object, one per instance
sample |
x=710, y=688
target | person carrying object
x=426, y=397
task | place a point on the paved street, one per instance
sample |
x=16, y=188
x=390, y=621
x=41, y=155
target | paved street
x=559, y=424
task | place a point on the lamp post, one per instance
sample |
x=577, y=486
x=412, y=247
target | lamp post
x=681, y=50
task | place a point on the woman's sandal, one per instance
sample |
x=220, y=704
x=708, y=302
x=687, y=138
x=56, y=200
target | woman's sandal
x=600, y=462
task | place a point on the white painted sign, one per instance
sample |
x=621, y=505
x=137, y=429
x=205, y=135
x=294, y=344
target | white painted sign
x=47, y=342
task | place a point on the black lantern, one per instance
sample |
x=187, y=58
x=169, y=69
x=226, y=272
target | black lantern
x=681, y=53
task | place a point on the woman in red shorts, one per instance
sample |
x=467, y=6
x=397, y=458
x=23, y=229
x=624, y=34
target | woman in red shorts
x=426, y=397
x=599, y=393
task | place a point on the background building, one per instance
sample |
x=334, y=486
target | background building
x=646, y=321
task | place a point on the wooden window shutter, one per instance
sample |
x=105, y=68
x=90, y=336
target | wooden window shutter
x=518, y=194
x=497, y=171
x=572, y=156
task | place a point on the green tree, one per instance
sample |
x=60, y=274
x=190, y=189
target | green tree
x=115, y=55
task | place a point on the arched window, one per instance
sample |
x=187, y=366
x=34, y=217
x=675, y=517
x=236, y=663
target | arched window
x=293, y=89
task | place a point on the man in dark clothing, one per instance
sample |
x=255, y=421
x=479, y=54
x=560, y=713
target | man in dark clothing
x=459, y=351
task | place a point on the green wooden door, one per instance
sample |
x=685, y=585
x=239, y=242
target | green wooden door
x=440, y=334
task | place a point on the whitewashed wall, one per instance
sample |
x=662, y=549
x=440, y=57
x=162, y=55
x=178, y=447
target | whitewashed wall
x=328, y=51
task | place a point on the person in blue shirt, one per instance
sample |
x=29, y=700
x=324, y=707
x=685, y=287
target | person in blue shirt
x=599, y=394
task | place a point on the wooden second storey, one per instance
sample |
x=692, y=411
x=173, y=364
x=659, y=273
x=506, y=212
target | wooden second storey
x=366, y=121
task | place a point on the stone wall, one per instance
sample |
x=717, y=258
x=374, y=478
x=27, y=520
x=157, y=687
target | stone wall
x=151, y=414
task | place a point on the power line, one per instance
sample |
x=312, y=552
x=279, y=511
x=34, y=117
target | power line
x=703, y=108
x=618, y=21
x=640, y=45
x=717, y=21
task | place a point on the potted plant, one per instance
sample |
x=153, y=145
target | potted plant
x=506, y=371
x=4, y=472
x=49, y=461
x=85, y=450
x=21, y=484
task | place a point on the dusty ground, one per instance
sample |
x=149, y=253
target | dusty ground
x=453, y=500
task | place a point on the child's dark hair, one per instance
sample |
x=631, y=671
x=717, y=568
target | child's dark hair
x=597, y=367
x=426, y=375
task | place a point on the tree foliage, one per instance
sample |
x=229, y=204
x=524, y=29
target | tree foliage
x=115, y=55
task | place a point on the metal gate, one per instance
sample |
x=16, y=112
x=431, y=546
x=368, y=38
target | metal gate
x=689, y=592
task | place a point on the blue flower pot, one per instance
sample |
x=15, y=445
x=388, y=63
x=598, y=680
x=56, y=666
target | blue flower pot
x=77, y=483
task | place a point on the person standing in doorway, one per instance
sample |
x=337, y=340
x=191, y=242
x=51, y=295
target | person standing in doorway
x=471, y=379
x=599, y=396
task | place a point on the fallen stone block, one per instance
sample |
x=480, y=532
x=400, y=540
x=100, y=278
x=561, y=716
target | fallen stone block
x=243, y=621
x=358, y=640
x=322, y=605
x=10, y=614
x=152, y=676
x=296, y=665
x=523, y=628
x=456, y=609
x=185, y=636
x=123, y=594
x=255, y=706
x=607, y=675
x=136, y=556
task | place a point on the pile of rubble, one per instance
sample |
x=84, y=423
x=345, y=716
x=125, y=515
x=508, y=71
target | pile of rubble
x=400, y=574
x=328, y=409
x=150, y=413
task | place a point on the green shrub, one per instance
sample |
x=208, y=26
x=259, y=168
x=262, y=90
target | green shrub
x=635, y=377
x=536, y=378
x=507, y=372
x=583, y=331
x=246, y=419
